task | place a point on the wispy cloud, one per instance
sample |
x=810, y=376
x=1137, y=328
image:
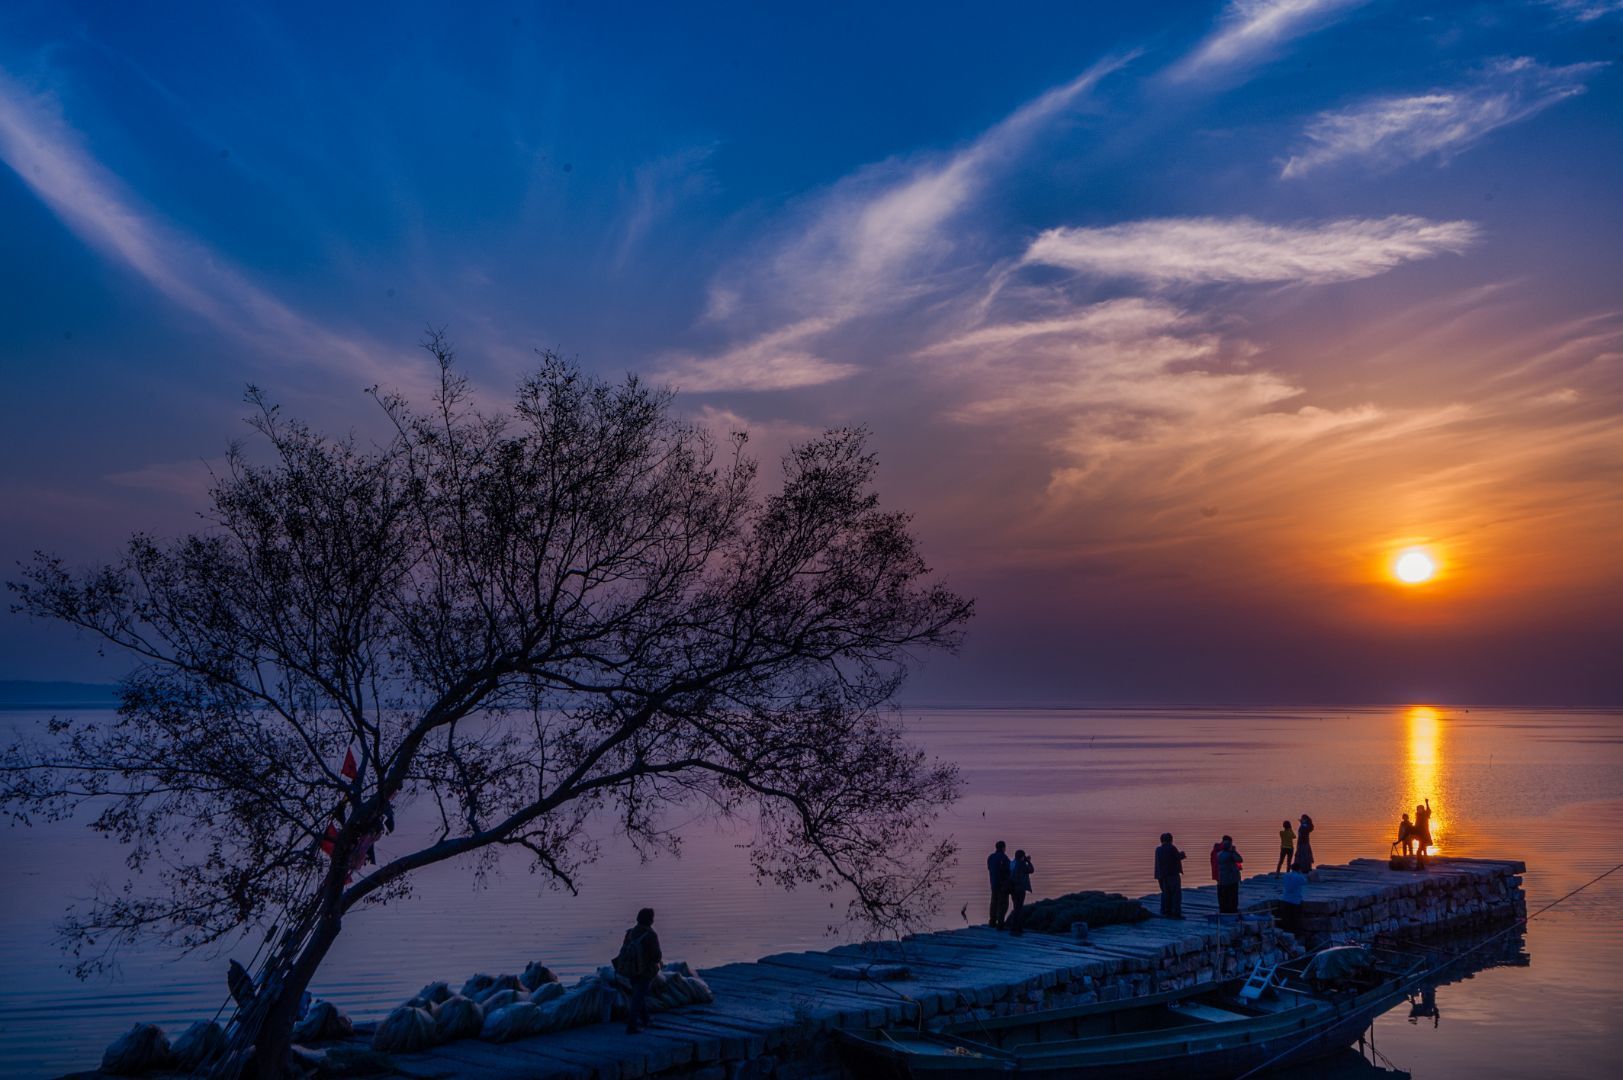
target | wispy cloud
x=871, y=241
x=780, y=360
x=49, y=156
x=1173, y=251
x=1388, y=131
x=1252, y=30
x=657, y=188
x=187, y=480
x=1585, y=10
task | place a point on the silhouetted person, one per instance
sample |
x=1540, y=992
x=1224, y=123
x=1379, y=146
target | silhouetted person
x=1169, y=875
x=1304, y=845
x=1229, y=865
x=1287, y=844
x=997, y=869
x=1020, y=871
x=1217, y=849
x=1422, y=827
x=638, y=963
x=1406, y=836
x=1292, y=887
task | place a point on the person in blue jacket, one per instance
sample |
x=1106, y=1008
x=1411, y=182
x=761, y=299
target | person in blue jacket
x=1229, y=866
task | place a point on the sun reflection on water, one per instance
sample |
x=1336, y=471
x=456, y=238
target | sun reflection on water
x=1425, y=767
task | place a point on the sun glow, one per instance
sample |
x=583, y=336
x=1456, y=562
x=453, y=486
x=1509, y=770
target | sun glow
x=1425, y=766
x=1414, y=566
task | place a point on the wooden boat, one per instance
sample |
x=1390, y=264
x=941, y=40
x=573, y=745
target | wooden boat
x=1274, y=1019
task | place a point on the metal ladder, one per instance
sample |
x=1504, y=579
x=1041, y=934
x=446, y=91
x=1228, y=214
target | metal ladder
x=1257, y=984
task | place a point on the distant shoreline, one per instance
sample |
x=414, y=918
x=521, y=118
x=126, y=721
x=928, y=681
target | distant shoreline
x=21, y=694
x=36, y=694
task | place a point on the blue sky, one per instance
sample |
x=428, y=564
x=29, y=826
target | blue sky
x=1172, y=322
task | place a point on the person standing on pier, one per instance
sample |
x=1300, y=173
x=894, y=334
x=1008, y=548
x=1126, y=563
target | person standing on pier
x=1304, y=846
x=1169, y=875
x=1229, y=865
x=1406, y=836
x=1292, y=888
x=997, y=868
x=1287, y=845
x=1422, y=827
x=1020, y=871
x=638, y=963
x=1217, y=849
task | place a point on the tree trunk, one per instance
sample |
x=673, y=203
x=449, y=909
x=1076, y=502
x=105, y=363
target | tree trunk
x=275, y=1035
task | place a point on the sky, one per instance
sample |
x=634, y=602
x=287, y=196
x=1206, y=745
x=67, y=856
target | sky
x=1173, y=324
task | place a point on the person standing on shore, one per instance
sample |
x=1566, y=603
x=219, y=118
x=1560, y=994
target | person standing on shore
x=1304, y=846
x=1287, y=845
x=1229, y=865
x=1217, y=849
x=997, y=869
x=1406, y=836
x=1169, y=875
x=1020, y=871
x=638, y=963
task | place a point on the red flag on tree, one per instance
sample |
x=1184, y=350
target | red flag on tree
x=350, y=769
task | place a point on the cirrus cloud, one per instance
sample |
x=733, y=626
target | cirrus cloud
x=1206, y=250
x=1250, y=30
x=1392, y=130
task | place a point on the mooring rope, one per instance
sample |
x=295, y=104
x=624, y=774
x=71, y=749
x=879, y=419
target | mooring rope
x=1455, y=958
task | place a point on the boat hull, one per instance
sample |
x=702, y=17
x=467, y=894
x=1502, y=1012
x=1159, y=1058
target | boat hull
x=1290, y=1036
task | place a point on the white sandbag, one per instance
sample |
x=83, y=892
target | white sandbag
x=430, y=995
x=321, y=1022
x=589, y=1003
x=500, y=999
x=476, y=984
x=403, y=1031
x=679, y=967
x=672, y=990
x=142, y=1048
x=698, y=991
x=497, y=985
x=457, y=1017
x=547, y=991
x=536, y=975
x=516, y=1021
x=197, y=1044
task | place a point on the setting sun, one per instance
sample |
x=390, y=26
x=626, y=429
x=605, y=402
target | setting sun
x=1414, y=566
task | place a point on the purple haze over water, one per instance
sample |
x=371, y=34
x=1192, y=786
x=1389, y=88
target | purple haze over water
x=1085, y=791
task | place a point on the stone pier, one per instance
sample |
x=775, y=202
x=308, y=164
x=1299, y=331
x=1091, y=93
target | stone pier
x=775, y=1017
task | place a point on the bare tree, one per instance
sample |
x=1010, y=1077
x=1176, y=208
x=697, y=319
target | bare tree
x=579, y=607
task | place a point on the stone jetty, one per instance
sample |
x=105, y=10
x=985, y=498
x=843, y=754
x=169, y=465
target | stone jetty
x=775, y=1017
x=1367, y=898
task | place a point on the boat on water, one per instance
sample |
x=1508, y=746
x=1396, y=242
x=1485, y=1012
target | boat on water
x=1297, y=1012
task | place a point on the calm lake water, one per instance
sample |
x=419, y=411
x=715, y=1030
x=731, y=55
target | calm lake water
x=1086, y=791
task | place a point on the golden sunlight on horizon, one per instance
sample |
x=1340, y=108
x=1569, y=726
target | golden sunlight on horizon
x=1425, y=767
